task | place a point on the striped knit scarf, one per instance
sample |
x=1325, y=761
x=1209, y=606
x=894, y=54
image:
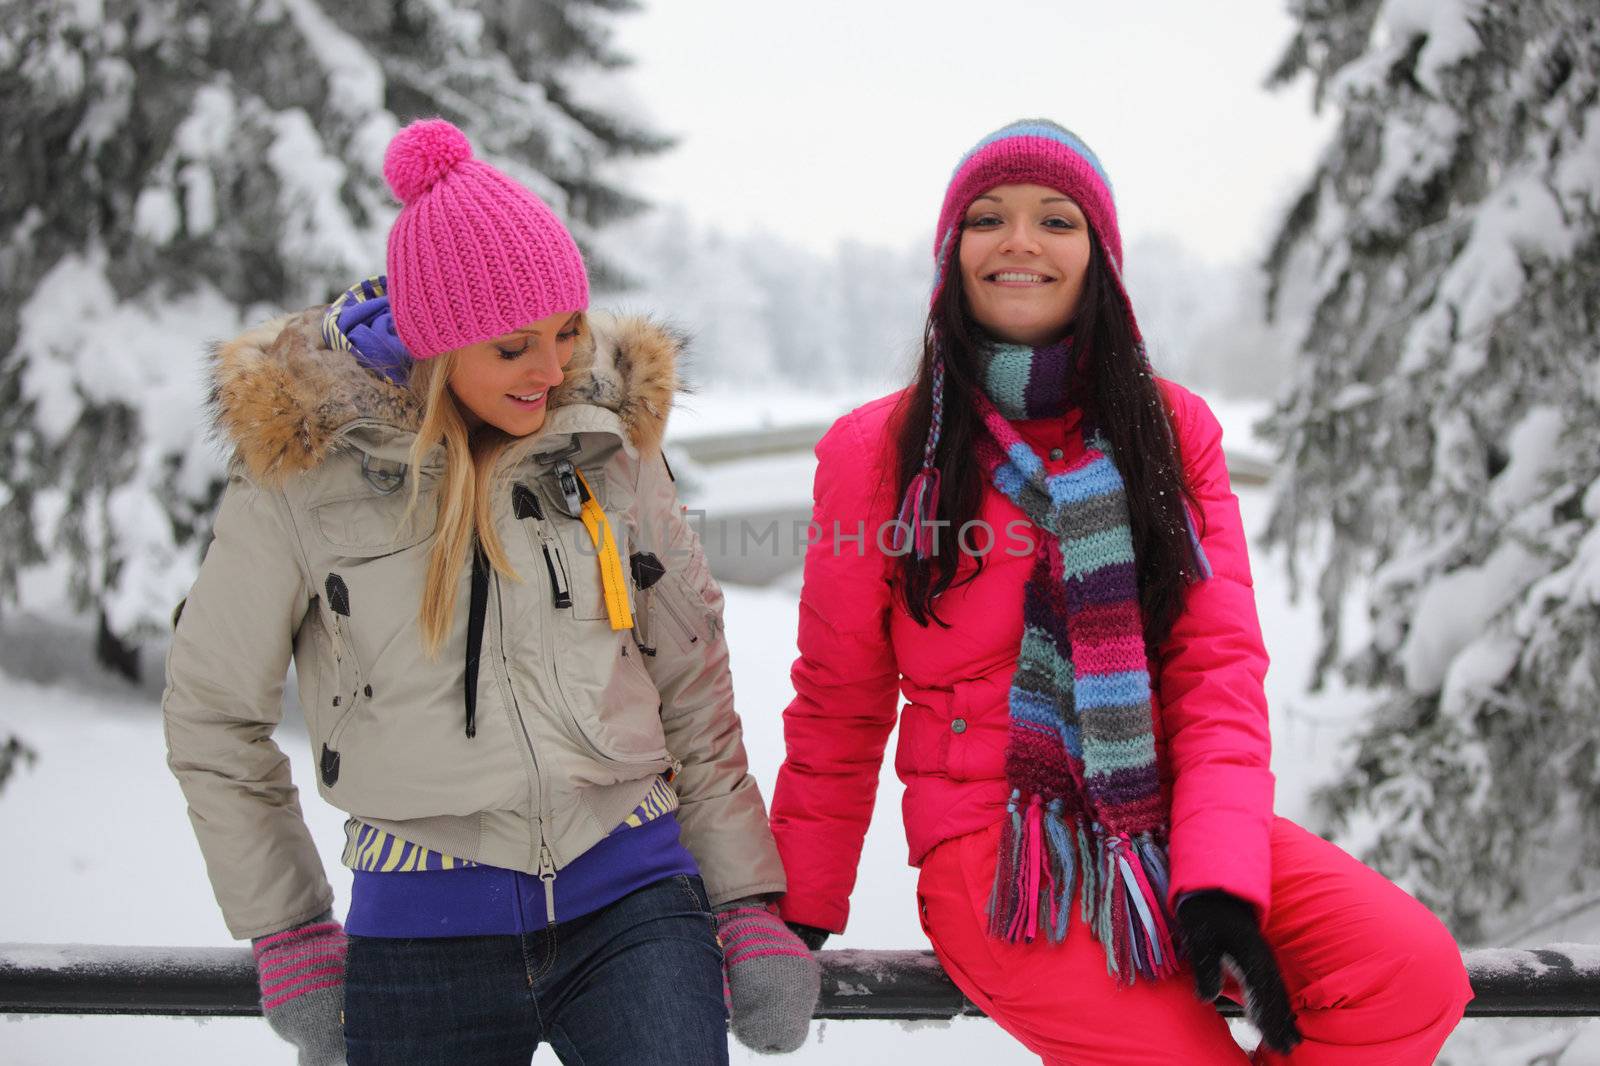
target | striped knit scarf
x=1028, y=382
x=1086, y=813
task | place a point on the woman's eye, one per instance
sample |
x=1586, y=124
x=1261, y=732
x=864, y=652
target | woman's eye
x=568, y=335
x=983, y=222
x=1059, y=223
x=510, y=353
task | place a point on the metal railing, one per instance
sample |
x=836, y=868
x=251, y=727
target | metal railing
x=1562, y=980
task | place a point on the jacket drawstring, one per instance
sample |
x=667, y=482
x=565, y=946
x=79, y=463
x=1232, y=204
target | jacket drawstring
x=479, y=606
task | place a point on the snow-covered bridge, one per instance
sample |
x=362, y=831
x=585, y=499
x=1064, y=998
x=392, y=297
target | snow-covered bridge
x=749, y=492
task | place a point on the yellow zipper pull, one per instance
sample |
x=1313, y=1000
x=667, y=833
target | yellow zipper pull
x=612, y=577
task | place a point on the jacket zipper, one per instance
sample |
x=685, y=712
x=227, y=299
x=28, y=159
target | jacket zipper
x=555, y=566
x=547, y=866
x=527, y=500
x=561, y=595
x=343, y=651
x=641, y=624
x=547, y=875
x=337, y=733
x=682, y=623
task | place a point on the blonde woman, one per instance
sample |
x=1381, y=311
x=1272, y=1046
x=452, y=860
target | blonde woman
x=448, y=506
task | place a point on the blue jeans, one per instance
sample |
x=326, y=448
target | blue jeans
x=638, y=981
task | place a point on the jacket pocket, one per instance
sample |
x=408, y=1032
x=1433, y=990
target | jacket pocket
x=368, y=524
x=956, y=733
x=573, y=554
x=689, y=601
x=624, y=730
x=620, y=723
x=371, y=558
x=632, y=720
x=679, y=613
x=924, y=745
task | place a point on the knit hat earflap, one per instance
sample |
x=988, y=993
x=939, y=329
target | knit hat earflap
x=473, y=254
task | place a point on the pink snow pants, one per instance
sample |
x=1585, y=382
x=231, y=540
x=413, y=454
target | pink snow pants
x=1374, y=978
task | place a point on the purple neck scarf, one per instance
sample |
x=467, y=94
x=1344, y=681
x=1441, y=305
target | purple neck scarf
x=359, y=322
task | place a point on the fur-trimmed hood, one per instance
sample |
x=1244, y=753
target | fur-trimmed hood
x=282, y=398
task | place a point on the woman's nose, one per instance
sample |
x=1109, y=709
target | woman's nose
x=548, y=365
x=1019, y=237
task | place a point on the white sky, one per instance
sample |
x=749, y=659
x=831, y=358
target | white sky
x=828, y=120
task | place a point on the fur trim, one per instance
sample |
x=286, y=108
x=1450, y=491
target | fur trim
x=280, y=396
x=627, y=364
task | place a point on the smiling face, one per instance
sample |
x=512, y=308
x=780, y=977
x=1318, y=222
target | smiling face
x=1024, y=250
x=505, y=382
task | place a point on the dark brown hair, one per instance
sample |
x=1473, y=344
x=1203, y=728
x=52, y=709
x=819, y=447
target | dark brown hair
x=1118, y=395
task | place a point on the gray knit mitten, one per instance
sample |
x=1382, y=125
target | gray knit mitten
x=301, y=974
x=773, y=981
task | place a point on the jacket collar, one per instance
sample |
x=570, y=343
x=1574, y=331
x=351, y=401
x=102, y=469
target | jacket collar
x=283, y=399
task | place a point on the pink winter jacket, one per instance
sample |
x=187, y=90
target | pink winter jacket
x=860, y=651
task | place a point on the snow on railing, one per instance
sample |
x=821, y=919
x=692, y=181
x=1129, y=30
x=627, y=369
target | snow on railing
x=1562, y=980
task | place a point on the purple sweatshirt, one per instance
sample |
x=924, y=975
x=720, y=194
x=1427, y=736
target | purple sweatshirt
x=402, y=890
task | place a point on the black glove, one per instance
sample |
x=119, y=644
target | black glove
x=1218, y=925
x=809, y=935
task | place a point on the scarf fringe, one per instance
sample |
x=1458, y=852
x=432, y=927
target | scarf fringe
x=1121, y=881
x=913, y=527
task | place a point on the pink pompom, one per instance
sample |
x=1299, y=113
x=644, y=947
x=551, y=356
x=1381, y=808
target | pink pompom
x=421, y=154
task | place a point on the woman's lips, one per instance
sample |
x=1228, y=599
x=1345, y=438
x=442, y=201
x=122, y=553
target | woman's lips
x=1018, y=278
x=529, y=405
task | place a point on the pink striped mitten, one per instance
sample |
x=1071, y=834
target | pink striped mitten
x=301, y=973
x=773, y=980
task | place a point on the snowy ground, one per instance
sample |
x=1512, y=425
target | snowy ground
x=100, y=850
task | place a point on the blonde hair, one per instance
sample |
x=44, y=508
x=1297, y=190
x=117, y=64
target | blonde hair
x=466, y=495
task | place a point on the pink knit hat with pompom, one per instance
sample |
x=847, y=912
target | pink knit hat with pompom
x=473, y=254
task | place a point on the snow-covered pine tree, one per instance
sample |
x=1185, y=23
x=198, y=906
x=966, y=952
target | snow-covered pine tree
x=1204, y=324
x=1439, y=435
x=174, y=169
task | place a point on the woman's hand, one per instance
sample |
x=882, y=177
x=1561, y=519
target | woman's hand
x=301, y=975
x=773, y=980
x=1217, y=926
x=809, y=935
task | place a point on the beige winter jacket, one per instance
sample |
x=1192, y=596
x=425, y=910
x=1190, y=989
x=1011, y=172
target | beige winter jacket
x=574, y=720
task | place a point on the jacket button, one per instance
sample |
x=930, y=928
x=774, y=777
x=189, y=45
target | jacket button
x=958, y=725
x=1057, y=454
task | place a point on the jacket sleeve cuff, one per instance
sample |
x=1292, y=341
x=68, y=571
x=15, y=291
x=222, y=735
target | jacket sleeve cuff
x=1242, y=868
x=809, y=910
x=321, y=910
